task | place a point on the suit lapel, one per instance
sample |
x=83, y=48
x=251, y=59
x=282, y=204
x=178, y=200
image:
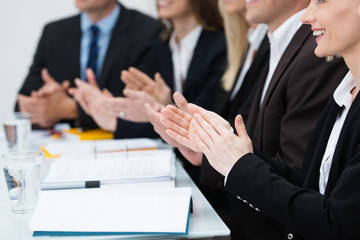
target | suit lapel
x=72, y=43
x=290, y=52
x=338, y=164
x=166, y=65
x=223, y=97
x=118, y=44
x=312, y=179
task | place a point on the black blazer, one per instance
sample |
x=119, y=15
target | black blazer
x=205, y=70
x=296, y=96
x=59, y=50
x=293, y=199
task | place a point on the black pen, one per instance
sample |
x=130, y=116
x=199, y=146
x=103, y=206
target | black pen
x=69, y=185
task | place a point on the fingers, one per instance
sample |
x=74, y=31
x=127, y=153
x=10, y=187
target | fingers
x=129, y=80
x=159, y=80
x=135, y=79
x=177, y=116
x=91, y=78
x=133, y=93
x=178, y=137
x=107, y=93
x=140, y=76
x=181, y=102
x=204, y=130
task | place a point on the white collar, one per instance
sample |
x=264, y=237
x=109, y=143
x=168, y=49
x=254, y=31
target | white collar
x=281, y=37
x=255, y=36
x=342, y=94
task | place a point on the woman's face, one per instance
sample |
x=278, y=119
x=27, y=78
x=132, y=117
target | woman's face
x=173, y=9
x=336, y=25
x=234, y=6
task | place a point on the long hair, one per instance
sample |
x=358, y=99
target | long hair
x=206, y=13
x=236, y=29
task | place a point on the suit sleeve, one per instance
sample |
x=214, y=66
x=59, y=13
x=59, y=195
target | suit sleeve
x=309, y=213
x=33, y=81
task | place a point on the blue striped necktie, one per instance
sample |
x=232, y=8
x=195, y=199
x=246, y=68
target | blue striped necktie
x=94, y=50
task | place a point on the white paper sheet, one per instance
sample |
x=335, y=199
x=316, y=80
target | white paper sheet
x=151, y=211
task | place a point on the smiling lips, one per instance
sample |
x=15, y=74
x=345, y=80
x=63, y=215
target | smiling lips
x=319, y=34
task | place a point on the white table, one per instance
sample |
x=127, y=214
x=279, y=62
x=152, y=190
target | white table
x=204, y=222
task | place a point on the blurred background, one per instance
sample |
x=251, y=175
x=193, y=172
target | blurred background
x=21, y=24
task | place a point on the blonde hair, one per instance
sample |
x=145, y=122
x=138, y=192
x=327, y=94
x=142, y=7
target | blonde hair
x=236, y=29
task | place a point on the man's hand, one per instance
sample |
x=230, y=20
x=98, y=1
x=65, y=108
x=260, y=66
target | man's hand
x=50, y=103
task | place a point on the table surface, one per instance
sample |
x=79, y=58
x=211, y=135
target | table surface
x=203, y=223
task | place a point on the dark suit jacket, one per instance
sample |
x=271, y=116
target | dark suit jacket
x=212, y=182
x=205, y=70
x=295, y=98
x=293, y=199
x=241, y=103
x=59, y=50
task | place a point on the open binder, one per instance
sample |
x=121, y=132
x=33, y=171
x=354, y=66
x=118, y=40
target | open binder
x=115, y=168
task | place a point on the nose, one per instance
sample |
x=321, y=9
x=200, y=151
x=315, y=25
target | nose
x=309, y=15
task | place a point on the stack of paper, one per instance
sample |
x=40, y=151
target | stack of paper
x=141, y=166
x=112, y=213
x=56, y=148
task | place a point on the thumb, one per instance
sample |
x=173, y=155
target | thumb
x=181, y=102
x=91, y=78
x=107, y=93
x=132, y=93
x=46, y=76
x=240, y=126
x=65, y=85
x=159, y=80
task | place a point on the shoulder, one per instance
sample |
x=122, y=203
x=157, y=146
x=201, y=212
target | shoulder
x=212, y=40
x=64, y=24
x=213, y=36
x=138, y=19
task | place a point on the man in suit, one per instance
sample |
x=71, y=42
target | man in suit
x=123, y=40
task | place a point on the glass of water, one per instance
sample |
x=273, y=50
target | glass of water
x=22, y=175
x=17, y=128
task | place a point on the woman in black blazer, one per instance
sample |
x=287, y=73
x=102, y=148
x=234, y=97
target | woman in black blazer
x=322, y=202
x=194, y=72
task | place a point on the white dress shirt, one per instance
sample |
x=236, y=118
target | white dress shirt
x=343, y=98
x=255, y=37
x=182, y=53
x=279, y=41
